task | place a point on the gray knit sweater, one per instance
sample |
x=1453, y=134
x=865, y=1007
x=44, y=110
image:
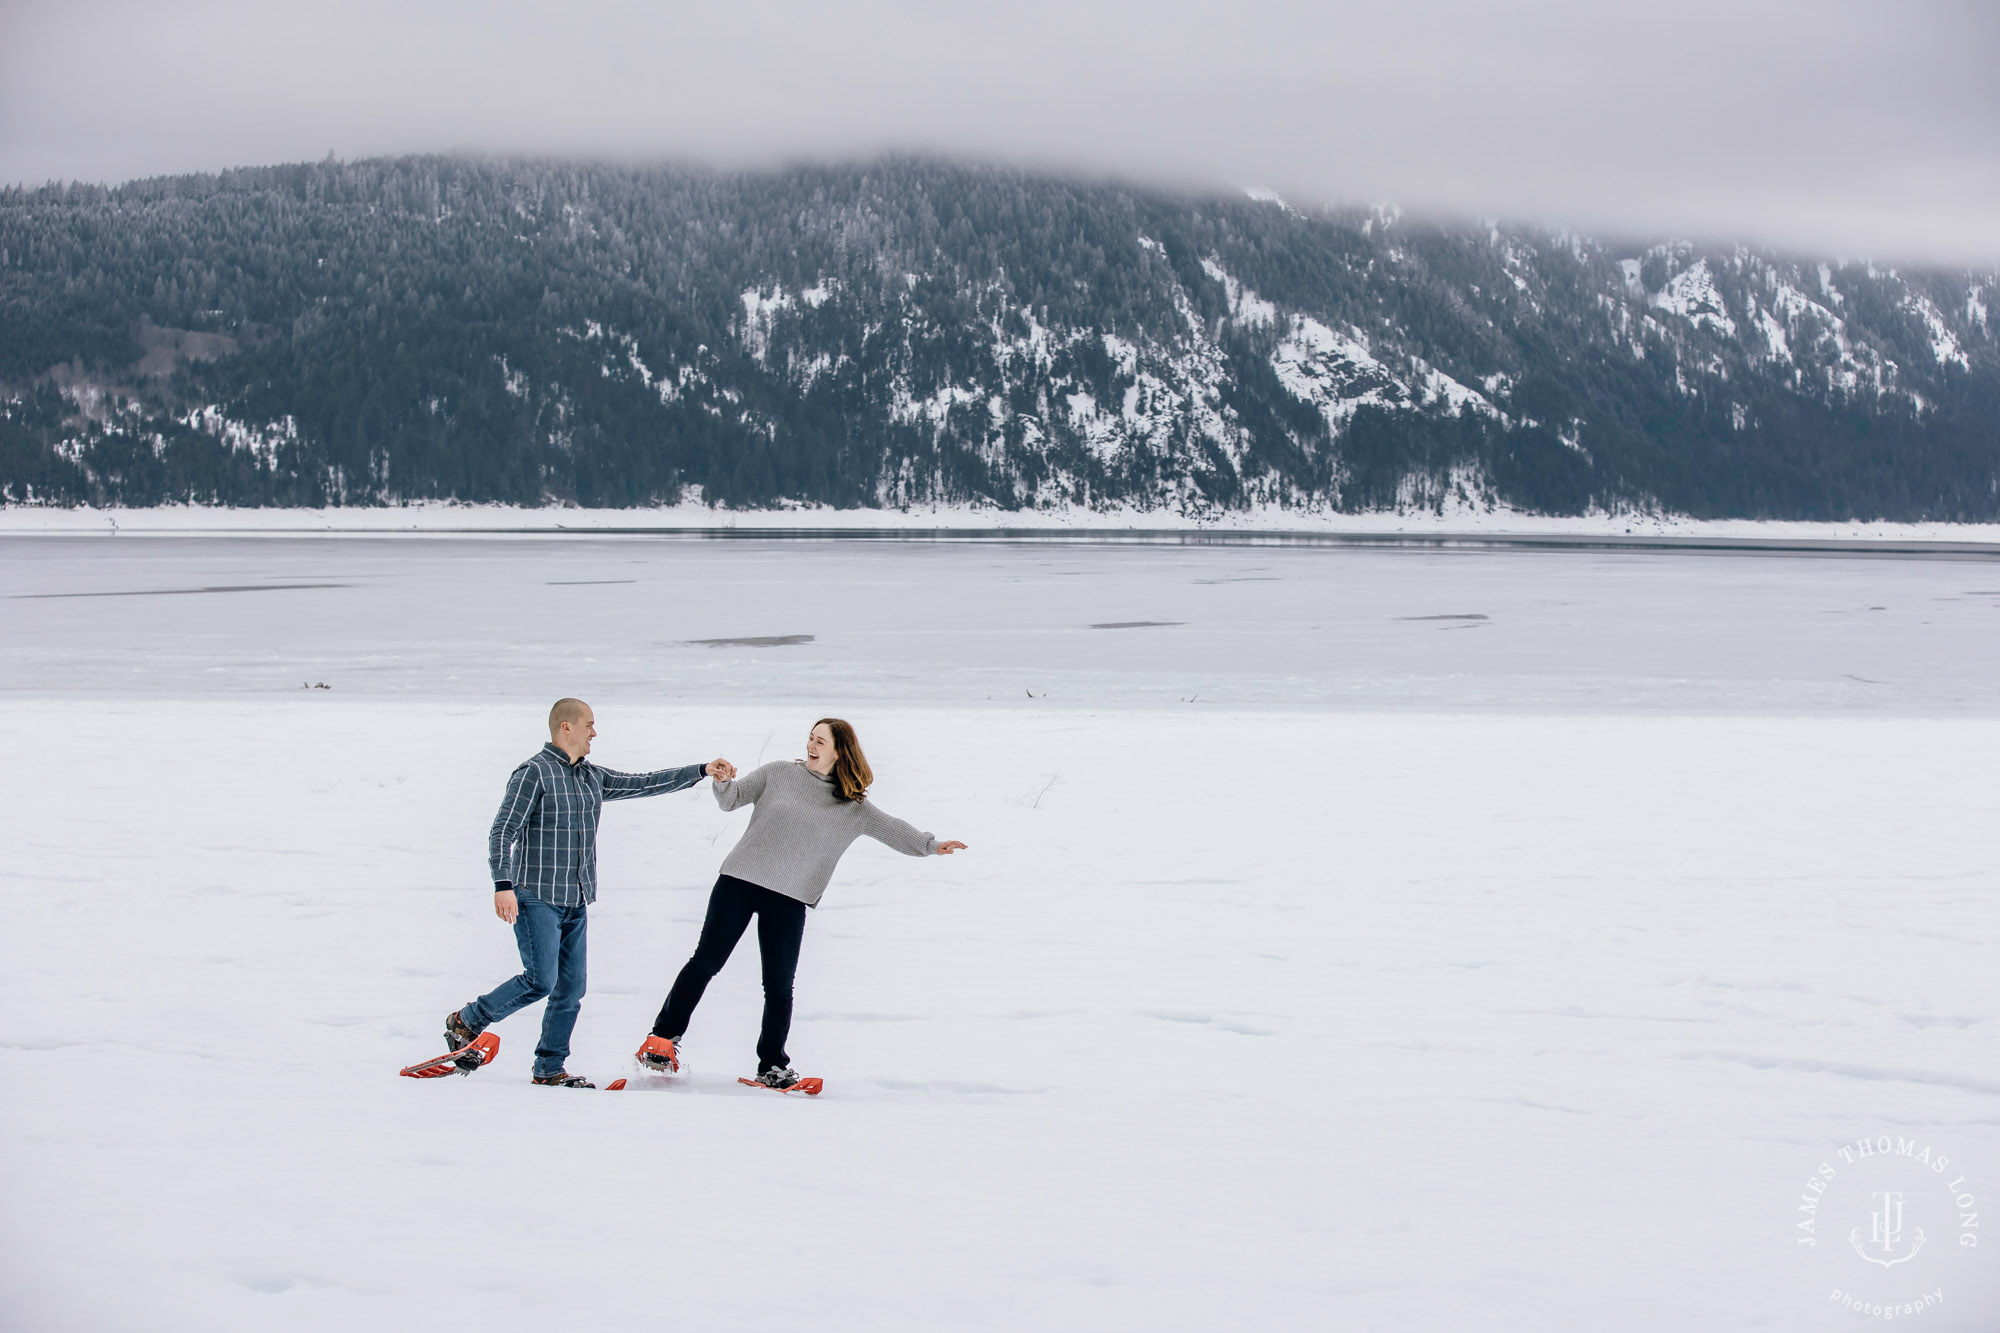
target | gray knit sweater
x=800, y=828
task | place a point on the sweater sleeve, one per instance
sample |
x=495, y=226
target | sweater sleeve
x=743, y=790
x=893, y=833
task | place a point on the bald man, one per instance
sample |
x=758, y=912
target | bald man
x=543, y=854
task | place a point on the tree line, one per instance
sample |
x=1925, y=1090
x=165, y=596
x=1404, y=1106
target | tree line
x=907, y=331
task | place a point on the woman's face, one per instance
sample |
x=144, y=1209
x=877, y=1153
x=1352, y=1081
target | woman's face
x=820, y=753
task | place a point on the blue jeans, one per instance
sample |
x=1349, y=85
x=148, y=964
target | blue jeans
x=551, y=940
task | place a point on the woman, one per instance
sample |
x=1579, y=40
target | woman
x=807, y=813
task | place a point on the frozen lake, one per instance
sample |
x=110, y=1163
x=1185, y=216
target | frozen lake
x=1317, y=962
x=851, y=622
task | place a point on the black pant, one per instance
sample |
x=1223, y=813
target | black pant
x=781, y=925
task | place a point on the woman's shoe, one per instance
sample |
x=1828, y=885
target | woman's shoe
x=785, y=1080
x=659, y=1056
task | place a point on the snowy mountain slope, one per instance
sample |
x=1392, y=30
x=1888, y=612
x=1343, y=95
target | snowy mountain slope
x=906, y=332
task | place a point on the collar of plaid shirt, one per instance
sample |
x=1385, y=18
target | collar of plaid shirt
x=561, y=754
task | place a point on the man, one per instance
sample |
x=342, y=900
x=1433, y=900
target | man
x=543, y=854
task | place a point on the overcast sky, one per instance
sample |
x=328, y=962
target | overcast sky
x=1829, y=125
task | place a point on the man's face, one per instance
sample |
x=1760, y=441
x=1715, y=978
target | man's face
x=574, y=737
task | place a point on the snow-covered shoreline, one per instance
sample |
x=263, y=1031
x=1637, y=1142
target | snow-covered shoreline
x=458, y=519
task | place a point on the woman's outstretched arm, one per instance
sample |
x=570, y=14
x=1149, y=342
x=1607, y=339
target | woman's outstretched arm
x=742, y=791
x=905, y=838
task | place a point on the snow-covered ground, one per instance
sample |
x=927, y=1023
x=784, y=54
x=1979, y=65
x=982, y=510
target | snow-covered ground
x=1453, y=519
x=1329, y=1009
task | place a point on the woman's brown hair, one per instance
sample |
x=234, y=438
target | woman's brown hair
x=850, y=769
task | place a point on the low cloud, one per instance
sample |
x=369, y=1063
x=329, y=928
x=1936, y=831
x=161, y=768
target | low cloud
x=1818, y=124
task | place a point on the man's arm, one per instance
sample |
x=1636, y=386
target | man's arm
x=624, y=786
x=523, y=787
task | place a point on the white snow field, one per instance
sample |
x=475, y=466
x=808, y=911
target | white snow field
x=1311, y=966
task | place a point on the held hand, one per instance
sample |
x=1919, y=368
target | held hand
x=506, y=906
x=721, y=770
x=947, y=848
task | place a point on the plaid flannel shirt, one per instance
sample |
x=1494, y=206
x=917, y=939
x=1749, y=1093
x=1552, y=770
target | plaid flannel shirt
x=544, y=840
